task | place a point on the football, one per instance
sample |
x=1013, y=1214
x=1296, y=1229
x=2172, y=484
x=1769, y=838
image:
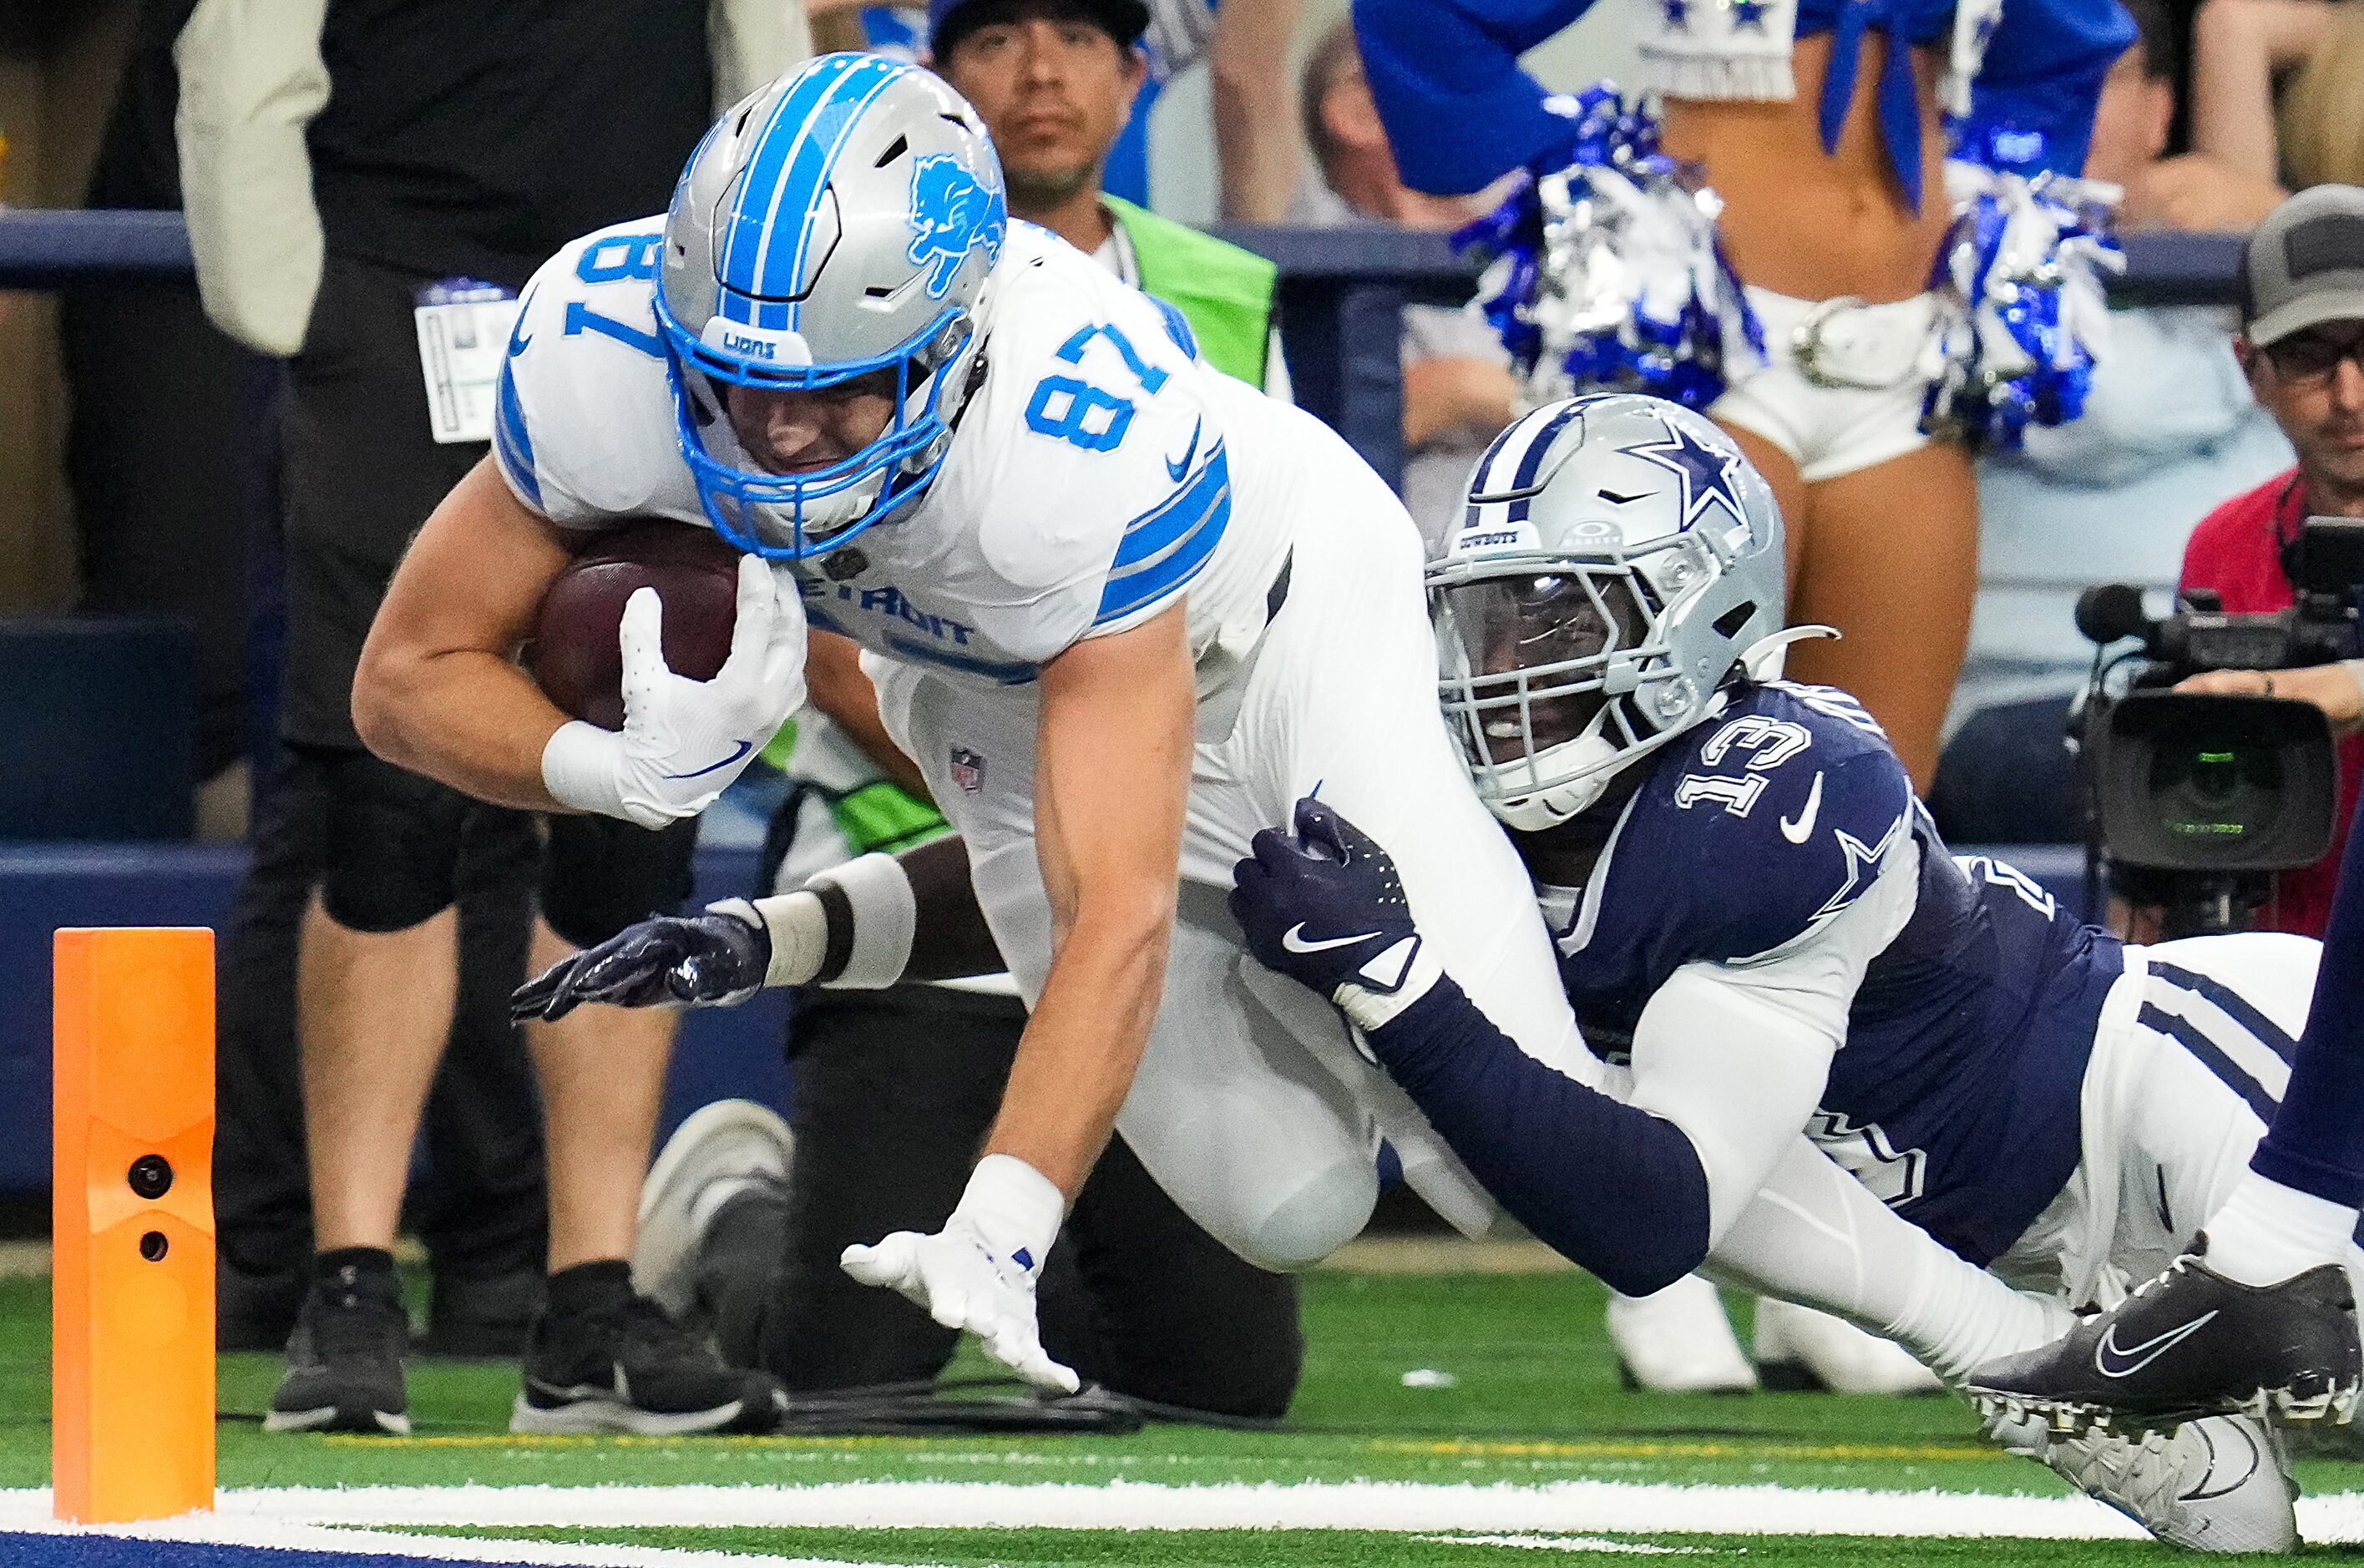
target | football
x=574, y=657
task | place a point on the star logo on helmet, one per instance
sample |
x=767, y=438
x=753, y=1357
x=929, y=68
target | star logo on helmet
x=1708, y=476
x=952, y=213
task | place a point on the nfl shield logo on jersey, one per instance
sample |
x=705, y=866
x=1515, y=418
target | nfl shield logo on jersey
x=968, y=770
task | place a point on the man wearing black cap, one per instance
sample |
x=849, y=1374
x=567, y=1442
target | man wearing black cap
x=1055, y=81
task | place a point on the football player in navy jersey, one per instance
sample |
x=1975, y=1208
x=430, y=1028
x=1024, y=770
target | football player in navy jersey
x=1758, y=925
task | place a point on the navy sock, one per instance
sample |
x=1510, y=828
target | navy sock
x=2315, y=1142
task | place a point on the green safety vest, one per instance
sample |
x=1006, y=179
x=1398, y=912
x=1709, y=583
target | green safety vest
x=1226, y=296
x=1225, y=292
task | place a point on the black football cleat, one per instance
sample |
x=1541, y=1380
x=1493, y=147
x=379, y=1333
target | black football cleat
x=2188, y=1344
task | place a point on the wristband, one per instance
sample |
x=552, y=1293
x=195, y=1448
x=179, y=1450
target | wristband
x=1368, y=1009
x=578, y=768
x=798, y=928
x=1015, y=1207
x=886, y=918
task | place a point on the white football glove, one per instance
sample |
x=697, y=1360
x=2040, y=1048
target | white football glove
x=685, y=740
x=978, y=1272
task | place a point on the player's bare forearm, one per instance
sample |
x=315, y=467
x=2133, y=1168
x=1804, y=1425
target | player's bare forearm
x=439, y=690
x=1112, y=770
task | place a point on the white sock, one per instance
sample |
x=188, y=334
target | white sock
x=1962, y=1318
x=2264, y=1232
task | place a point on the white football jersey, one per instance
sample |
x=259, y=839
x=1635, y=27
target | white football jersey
x=1098, y=474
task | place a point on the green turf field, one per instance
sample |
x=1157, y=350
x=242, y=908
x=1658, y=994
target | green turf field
x=1533, y=1399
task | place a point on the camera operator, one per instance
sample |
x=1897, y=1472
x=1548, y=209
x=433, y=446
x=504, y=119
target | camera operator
x=2301, y=346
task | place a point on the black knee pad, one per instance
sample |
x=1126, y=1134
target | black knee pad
x=598, y=875
x=392, y=842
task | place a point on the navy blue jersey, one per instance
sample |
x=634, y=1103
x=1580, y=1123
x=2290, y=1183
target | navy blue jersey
x=1953, y=1095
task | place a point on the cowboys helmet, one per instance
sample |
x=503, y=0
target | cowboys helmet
x=837, y=225
x=1618, y=558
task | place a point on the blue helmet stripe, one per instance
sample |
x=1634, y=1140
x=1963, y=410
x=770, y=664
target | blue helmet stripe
x=808, y=175
x=1532, y=458
x=743, y=241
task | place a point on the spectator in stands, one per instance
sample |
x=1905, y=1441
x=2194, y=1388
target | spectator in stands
x=1456, y=380
x=2250, y=147
x=338, y=175
x=2302, y=345
x=2169, y=430
x=894, y=1089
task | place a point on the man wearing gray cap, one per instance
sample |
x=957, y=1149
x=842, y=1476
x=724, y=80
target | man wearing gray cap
x=2302, y=335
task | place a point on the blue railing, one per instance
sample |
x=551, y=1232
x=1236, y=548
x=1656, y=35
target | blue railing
x=1342, y=292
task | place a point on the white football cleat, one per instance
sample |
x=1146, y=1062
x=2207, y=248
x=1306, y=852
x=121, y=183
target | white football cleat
x=2219, y=1483
x=1679, y=1341
x=1798, y=1348
x=719, y=1152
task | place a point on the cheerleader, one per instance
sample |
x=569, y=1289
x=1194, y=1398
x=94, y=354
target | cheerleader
x=1817, y=294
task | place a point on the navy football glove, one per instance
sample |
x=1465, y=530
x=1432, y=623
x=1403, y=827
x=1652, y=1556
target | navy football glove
x=707, y=960
x=1326, y=908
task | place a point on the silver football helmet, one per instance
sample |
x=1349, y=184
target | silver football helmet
x=1618, y=559
x=839, y=224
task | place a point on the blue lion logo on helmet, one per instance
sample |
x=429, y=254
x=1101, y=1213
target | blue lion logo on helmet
x=952, y=213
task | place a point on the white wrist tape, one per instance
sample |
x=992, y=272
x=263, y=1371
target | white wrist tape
x=886, y=916
x=578, y=768
x=1367, y=1009
x=798, y=926
x=1014, y=1206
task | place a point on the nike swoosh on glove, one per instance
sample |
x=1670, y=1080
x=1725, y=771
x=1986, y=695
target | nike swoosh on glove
x=978, y=1272
x=683, y=741
x=705, y=960
x=1326, y=908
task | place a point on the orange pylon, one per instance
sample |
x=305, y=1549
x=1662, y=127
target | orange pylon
x=131, y=1402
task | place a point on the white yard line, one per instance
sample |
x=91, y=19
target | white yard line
x=1561, y=1508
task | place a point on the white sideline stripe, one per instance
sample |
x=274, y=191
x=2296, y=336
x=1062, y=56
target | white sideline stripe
x=1501, y=1508
x=1571, y=1543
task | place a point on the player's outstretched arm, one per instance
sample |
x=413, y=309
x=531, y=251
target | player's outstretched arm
x=873, y=922
x=1112, y=770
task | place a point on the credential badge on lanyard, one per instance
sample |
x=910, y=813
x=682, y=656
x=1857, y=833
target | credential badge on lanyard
x=463, y=328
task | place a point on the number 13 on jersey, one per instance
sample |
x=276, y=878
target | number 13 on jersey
x=1081, y=414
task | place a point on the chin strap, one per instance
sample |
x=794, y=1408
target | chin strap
x=1762, y=659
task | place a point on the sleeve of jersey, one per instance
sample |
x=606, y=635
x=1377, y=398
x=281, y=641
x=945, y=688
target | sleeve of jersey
x=1608, y=1185
x=2042, y=72
x=1807, y=847
x=1444, y=74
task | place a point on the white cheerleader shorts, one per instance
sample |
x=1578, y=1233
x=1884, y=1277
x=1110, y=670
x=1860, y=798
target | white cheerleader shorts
x=1843, y=382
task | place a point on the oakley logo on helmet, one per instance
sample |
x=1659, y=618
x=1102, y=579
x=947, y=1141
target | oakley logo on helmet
x=951, y=213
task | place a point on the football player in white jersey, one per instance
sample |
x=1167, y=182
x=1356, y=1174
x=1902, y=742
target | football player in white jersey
x=1121, y=610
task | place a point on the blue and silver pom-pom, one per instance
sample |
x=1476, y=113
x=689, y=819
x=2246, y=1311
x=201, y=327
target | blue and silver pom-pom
x=1604, y=272
x=2019, y=286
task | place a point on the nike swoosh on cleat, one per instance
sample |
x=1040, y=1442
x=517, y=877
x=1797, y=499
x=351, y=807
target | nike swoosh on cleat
x=2149, y=1351
x=1801, y=830
x=744, y=746
x=1293, y=940
x=2211, y=1484
x=1175, y=469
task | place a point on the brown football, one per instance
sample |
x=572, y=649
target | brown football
x=574, y=655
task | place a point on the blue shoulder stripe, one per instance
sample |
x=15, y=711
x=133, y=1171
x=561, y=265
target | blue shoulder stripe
x=510, y=439
x=1164, y=547
x=1177, y=326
